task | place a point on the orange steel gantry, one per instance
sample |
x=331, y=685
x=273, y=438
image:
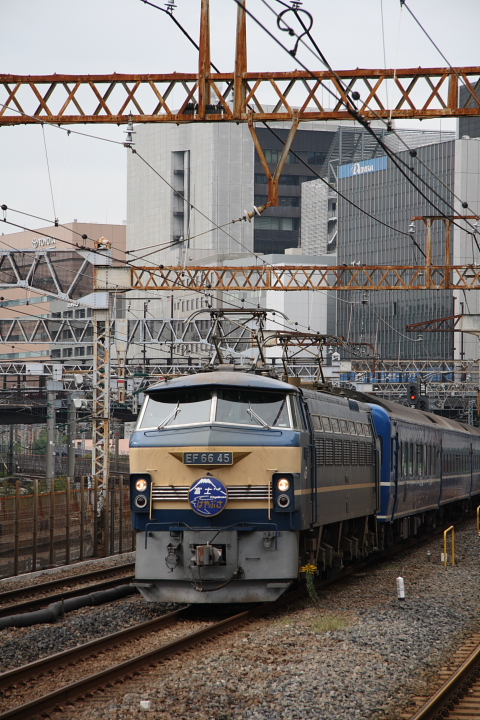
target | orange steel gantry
x=240, y=96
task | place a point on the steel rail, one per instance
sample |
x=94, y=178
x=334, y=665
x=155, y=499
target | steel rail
x=115, y=674
x=126, y=669
x=42, y=666
x=451, y=693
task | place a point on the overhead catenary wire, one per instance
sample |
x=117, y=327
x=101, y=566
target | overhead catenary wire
x=121, y=143
x=351, y=109
x=314, y=172
x=48, y=169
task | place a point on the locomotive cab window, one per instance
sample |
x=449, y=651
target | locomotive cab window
x=253, y=407
x=226, y=405
x=178, y=407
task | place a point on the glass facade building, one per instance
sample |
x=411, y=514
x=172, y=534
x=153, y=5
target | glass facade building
x=379, y=187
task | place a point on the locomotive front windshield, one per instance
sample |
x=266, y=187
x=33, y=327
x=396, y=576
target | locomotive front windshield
x=225, y=405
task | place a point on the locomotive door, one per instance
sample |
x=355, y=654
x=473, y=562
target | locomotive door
x=310, y=466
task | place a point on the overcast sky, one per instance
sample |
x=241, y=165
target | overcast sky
x=104, y=36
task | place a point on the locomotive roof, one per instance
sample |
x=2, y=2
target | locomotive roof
x=227, y=379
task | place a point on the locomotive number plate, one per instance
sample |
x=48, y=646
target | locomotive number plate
x=211, y=458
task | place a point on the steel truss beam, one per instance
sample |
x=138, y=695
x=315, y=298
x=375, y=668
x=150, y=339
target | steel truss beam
x=40, y=271
x=203, y=96
x=298, y=277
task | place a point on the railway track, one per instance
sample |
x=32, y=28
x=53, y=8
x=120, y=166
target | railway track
x=114, y=672
x=93, y=581
x=74, y=675
x=22, y=678
x=459, y=696
x=71, y=692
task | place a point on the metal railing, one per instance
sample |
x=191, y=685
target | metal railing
x=65, y=524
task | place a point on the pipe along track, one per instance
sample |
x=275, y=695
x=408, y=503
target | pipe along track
x=80, y=689
x=76, y=691
x=459, y=697
x=81, y=580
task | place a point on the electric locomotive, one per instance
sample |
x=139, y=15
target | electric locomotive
x=224, y=484
x=239, y=479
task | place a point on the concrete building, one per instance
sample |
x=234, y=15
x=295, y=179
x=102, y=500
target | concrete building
x=314, y=229
x=469, y=126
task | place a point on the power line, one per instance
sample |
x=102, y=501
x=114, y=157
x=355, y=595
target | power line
x=350, y=107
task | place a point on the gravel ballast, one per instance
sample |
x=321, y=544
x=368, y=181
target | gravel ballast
x=357, y=653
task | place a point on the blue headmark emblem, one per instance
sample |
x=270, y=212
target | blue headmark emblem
x=208, y=496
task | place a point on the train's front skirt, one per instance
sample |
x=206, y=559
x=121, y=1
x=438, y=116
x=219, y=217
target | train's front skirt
x=193, y=565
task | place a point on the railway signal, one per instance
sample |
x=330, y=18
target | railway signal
x=413, y=392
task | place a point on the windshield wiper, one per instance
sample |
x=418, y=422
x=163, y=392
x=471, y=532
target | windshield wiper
x=172, y=416
x=254, y=416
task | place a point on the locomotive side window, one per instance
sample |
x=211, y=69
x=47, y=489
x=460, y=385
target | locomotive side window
x=343, y=426
x=296, y=414
x=359, y=428
x=327, y=427
x=251, y=407
x=335, y=425
x=366, y=430
x=351, y=427
x=317, y=423
x=179, y=407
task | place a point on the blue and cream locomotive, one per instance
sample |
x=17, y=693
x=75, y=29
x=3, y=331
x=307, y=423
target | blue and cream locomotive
x=239, y=479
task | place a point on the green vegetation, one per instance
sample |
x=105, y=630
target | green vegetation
x=330, y=623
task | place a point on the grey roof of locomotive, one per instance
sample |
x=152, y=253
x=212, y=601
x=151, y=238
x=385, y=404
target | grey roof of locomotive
x=262, y=382
x=225, y=378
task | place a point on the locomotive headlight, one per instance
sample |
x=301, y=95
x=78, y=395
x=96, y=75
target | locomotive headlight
x=141, y=485
x=283, y=484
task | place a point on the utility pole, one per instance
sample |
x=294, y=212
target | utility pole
x=71, y=438
x=50, y=448
x=10, y=458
